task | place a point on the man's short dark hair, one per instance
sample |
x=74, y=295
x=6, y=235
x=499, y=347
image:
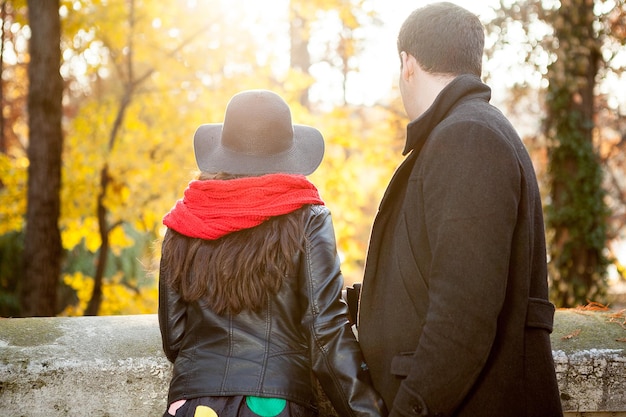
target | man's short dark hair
x=444, y=39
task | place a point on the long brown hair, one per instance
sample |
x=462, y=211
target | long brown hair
x=238, y=271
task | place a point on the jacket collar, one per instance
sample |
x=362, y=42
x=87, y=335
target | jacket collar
x=463, y=87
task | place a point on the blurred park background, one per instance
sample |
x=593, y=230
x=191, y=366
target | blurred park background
x=100, y=100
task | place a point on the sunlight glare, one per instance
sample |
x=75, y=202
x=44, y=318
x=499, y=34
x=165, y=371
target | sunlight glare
x=379, y=69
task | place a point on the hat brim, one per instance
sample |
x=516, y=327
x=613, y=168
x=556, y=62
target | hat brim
x=303, y=157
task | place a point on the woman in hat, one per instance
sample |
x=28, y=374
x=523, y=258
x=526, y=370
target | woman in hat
x=250, y=305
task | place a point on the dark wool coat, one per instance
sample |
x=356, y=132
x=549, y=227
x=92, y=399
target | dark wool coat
x=454, y=314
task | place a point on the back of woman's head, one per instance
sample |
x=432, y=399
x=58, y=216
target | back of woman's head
x=238, y=271
x=444, y=39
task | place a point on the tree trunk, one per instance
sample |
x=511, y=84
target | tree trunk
x=93, y=307
x=299, y=33
x=42, y=246
x=3, y=141
x=577, y=212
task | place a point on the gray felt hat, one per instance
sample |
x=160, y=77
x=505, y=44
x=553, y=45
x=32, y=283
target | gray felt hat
x=258, y=137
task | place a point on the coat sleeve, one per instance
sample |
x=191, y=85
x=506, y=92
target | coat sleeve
x=172, y=315
x=470, y=184
x=336, y=357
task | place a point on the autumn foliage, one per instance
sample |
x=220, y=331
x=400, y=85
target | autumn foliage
x=140, y=76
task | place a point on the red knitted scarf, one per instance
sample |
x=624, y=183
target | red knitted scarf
x=213, y=208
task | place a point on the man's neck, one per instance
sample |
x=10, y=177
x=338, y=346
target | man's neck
x=429, y=86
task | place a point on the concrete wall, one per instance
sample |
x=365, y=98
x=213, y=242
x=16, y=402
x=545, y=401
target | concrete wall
x=110, y=366
x=589, y=350
x=83, y=366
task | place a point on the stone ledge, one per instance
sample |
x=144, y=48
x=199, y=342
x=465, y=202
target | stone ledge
x=589, y=350
x=82, y=366
x=106, y=366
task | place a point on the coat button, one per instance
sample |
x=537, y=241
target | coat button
x=417, y=409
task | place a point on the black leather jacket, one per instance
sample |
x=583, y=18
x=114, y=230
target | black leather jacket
x=304, y=331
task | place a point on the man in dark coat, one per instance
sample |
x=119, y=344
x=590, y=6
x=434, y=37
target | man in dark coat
x=454, y=314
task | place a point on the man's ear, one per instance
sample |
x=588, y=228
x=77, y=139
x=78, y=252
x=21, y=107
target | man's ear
x=407, y=65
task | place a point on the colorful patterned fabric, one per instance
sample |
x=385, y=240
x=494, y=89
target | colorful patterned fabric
x=242, y=406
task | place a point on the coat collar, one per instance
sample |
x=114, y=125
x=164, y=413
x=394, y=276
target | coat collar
x=461, y=88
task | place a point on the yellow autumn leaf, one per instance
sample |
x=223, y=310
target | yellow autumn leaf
x=83, y=286
x=71, y=237
x=119, y=240
x=13, y=185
